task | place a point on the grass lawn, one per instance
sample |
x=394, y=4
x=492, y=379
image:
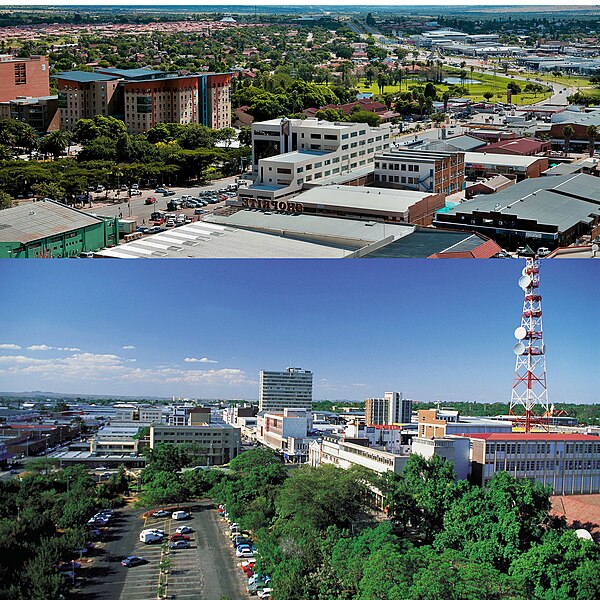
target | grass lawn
x=482, y=83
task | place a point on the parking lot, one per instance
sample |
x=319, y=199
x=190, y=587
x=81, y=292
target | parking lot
x=205, y=571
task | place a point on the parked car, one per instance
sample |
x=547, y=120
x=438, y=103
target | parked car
x=133, y=192
x=150, y=537
x=142, y=229
x=135, y=186
x=155, y=229
x=170, y=223
x=179, y=544
x=157, y=531
x=180, y=536
x=184, y=529
x=132, y=561
x=150, y=200
x=265, y=593
x=160, y=513
x=160, y=190
x=200, y=211
x=100, y=188
x=179, y=515
x=543, y=251
x=244, y=552
x=168, y=193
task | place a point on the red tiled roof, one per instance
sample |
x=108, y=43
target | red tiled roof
x=548, y=437
x=518, y=146
x=487, y=249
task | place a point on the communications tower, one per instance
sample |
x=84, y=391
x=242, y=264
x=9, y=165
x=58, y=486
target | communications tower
x=529, y=400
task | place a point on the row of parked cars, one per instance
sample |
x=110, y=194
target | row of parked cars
x=241, y=541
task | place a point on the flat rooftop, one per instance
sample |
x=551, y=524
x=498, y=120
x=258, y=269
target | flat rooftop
x=349, y=233
x=36, y=220
x=84, y=76
x=485, y=158
x=361, y=197
x=296, y=156
x=209, y=240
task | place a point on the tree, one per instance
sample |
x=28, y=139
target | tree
x=49, y=189
x=514, y=88
x=87, y=130
x=55, y=143
x=323, y=496
x=6, y=200
x=567, y=132
x=245, y=136
x=592, y=134
x=488, y=95
x=60, y=406
x=430, y=91
x=365, y=116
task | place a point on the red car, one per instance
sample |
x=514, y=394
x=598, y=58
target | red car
x=150, y=200
x=176, y=537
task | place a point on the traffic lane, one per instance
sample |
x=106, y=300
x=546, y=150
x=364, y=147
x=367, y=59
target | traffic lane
x=218, y=566
x=104, y=577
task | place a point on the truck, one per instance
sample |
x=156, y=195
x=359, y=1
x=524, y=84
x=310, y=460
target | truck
x=150, y=537
x=127, y=226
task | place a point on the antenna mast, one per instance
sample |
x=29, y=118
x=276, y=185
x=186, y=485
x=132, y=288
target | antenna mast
x=529, y=400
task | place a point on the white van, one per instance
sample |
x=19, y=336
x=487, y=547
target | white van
x=179, y=515
x=150, y=537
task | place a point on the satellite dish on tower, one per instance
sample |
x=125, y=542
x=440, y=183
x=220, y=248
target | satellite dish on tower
x=524, y=271
x=519, y=348
x=525, y=282
x=520, y=333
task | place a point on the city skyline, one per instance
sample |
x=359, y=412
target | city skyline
x=434, y=330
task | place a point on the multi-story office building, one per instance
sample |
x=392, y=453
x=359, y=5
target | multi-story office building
x=291, y=388
x=23, y=77
x=568, y=462
x=136, y=412
x=423, y=171
x=217, y=442
x=392, y=409
x=145, y=97
x=287, y=153
x=286, y=432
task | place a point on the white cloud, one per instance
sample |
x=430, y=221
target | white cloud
x=45, y=347
x=110, y=367
x=9, y=347
x=199, y=360
x=130, y=347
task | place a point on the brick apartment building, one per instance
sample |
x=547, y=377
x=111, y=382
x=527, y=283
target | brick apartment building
x=423, y=171
x=145, y=97
x=23, y=77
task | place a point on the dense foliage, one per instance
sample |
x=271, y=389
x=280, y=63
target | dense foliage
x=42, y=521
x=319, y=539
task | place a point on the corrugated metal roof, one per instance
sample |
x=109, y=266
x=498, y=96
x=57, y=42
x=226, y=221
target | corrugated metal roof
x=84, y=76
x=35, y=220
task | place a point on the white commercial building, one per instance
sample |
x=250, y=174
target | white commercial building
x=454, y=449
x=286, y=432
x=291, y=388
x=288, y=153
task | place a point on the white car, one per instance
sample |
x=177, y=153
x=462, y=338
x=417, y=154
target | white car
x=264, y=593
x=184, y=529
x=179, y=515
x=244, y=553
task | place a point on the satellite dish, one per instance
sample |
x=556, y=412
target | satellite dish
x=519, y=348
x=525, y=282
x=543, y=348
x=584, y=534
x=520, y=333
x=524, y=271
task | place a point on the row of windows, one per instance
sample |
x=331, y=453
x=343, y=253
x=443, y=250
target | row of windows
x=542, y=448
x=397, y=179
x=549, y=465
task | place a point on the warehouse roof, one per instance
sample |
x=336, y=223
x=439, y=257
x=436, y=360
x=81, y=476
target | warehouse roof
x=84, y=76
x=36, y=220
x=208, y=240
x=425, y=242
x=350, y=233
x=518, y=146
x=560, y=201
x=360, y=197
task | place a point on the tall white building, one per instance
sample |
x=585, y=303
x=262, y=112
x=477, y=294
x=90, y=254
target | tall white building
x=392, y=408
x=289, y=153
x=291, y=388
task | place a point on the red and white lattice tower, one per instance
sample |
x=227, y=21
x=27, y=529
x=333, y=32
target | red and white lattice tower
x=529, y=400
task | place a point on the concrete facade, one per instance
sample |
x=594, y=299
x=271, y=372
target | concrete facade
x=291, y=388
x=24, y=77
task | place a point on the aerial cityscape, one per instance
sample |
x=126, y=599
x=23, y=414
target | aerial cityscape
x=318, y=132
x=287, y=427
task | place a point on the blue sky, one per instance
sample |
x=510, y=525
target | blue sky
x=435, y=330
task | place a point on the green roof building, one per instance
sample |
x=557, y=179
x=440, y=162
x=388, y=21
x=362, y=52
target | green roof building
x=48, y=229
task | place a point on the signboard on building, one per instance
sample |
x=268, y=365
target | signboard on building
x=274, y=205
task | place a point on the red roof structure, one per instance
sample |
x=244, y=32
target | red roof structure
x=532, y=437
x=519, y=146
